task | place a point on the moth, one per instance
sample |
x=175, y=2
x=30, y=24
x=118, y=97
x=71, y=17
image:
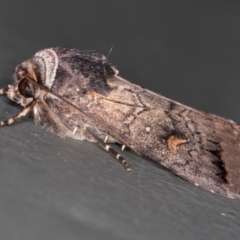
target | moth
x=78, y=94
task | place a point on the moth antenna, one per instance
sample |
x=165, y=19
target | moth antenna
x=109, y=52
x=3, y=91
x=23, y=113
x=110, y=150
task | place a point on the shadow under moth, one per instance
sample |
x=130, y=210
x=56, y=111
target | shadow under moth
x=78, y=94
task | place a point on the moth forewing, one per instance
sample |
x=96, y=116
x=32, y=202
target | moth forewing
x=78, y=94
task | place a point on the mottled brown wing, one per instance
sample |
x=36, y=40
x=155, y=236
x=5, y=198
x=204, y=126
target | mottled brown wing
x=201, y=148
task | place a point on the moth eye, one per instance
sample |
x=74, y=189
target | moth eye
x=26, y=88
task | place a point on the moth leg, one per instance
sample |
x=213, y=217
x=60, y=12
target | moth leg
x=110, y=150
x=74, y=130
x=106, y=138
x=123, y=147
x=3, y=91
x=23, y=113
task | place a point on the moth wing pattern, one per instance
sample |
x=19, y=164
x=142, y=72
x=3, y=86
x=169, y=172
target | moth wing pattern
x=200, y=147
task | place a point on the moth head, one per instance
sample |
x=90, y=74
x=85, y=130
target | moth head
x=23, y=90
x=39, y=70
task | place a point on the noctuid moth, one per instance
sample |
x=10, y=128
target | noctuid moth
x=78, y=94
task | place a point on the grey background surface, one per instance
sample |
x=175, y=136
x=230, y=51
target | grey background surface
x=52, y=188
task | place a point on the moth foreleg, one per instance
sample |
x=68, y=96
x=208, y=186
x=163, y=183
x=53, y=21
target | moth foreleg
x=23, y=113
x=110, y=150
x=3, y=91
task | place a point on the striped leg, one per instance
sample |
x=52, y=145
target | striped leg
x=23, y=113
x=3, y=91
x=106, y=139
x=110, y=150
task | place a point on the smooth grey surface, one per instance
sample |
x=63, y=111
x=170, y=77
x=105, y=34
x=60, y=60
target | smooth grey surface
x=54, y=188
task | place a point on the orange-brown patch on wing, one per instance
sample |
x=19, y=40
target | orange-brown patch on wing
x=174, y=141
